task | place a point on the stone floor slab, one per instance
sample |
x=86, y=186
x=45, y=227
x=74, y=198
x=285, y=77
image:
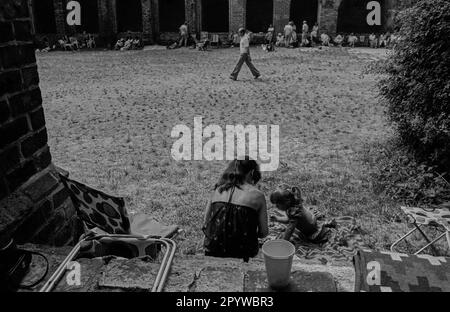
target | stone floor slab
x=129, y=274
x=300, y=281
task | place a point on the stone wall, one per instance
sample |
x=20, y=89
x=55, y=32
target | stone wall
x=33, y=204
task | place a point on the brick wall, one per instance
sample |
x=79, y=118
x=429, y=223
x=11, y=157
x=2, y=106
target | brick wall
x=147, y=21
x=281, y=14
x=329, y=16
x=237, y=14
x=33, y=204
x=107, y=23
x=60, y=16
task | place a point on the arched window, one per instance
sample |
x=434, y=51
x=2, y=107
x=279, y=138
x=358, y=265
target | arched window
x=44, y=17
x=171, y=15
x=352, y=17
x=215, y=15
x=129, y=15
x=304, y=10
x=89, y=16
x=259, y=15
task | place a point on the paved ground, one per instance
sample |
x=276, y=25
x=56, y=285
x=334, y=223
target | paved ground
x=187, y=274
x=110, y=114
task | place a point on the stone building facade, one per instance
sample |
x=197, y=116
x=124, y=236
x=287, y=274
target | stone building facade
x=34, y=206
x=156, y=20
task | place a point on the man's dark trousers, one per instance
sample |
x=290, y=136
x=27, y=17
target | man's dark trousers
x=245, y=58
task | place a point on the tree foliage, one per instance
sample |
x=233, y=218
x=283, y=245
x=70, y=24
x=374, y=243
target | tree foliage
x=417, y=85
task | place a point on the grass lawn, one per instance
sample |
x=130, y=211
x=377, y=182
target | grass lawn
x=110, y=114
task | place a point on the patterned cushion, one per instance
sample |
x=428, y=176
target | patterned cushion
x=98, y=209
x=429, y=216
x=397, y=272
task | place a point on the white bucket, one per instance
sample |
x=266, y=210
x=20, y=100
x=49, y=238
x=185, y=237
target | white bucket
x=278, y=255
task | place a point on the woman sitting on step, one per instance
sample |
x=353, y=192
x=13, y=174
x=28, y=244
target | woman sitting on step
x=236, y=214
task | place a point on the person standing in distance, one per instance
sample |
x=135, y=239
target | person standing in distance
x=245, y=56
x=183, y=34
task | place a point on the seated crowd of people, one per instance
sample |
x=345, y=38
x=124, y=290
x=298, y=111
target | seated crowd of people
x=289, y=39
x=307, y=37
x=66, y=43
x=129, y=43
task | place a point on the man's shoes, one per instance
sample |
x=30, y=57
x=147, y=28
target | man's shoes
x=256, y=77
x=233, y=78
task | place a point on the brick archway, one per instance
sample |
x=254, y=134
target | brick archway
x=259, y=15
x=304, y=10
x=44, y=16
x=129, y=15
x=215, y=15
x=89, y=16
x=172, y=13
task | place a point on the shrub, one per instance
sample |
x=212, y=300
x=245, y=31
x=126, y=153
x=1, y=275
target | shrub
x=416, y=88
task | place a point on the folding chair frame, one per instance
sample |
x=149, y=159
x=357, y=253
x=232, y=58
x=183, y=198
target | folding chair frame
x=161, y=277
x=417, y=227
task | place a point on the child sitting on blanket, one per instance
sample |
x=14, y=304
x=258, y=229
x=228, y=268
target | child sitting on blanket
x=289, y=200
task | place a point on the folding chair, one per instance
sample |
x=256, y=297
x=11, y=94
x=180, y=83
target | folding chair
x=106, y=221
x=204, y=35
x=215, y=40
x=161, y=276
x=419, y=217
x=362, y=40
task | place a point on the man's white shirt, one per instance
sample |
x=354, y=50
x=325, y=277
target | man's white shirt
x=245, y=44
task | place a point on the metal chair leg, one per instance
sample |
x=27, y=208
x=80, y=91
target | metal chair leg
x=162, y=272
x=447, y=235
x=430, y=244
x=403, y=237
x=433, y=250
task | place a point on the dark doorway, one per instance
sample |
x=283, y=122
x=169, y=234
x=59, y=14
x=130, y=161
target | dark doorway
x=259, y=15
x=171, y=15
x=89, y=16
x=304, y=10
x=215, y=15
x=129, y=15
x=352, y=17
x=44, y=17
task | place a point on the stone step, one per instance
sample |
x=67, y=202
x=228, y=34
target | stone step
x=189, y=274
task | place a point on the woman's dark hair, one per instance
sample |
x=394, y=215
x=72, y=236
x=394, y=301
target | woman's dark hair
x=237, y=170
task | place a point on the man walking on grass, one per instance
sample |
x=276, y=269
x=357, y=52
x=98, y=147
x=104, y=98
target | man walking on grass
x=245, y=57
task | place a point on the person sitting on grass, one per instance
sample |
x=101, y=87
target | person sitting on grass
x=325, y=39
x=203, y=46
x=289, y=200
x=314, y=36
x=280, y=40
x=373, y=42
x=352, y=39
x=128, y=44
x=74, y=42
x=236, y=214
x=90, y=43
x=339, y=40
x=136, y=45
x=383, y=41
x=230, y=39
x=119, y=44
